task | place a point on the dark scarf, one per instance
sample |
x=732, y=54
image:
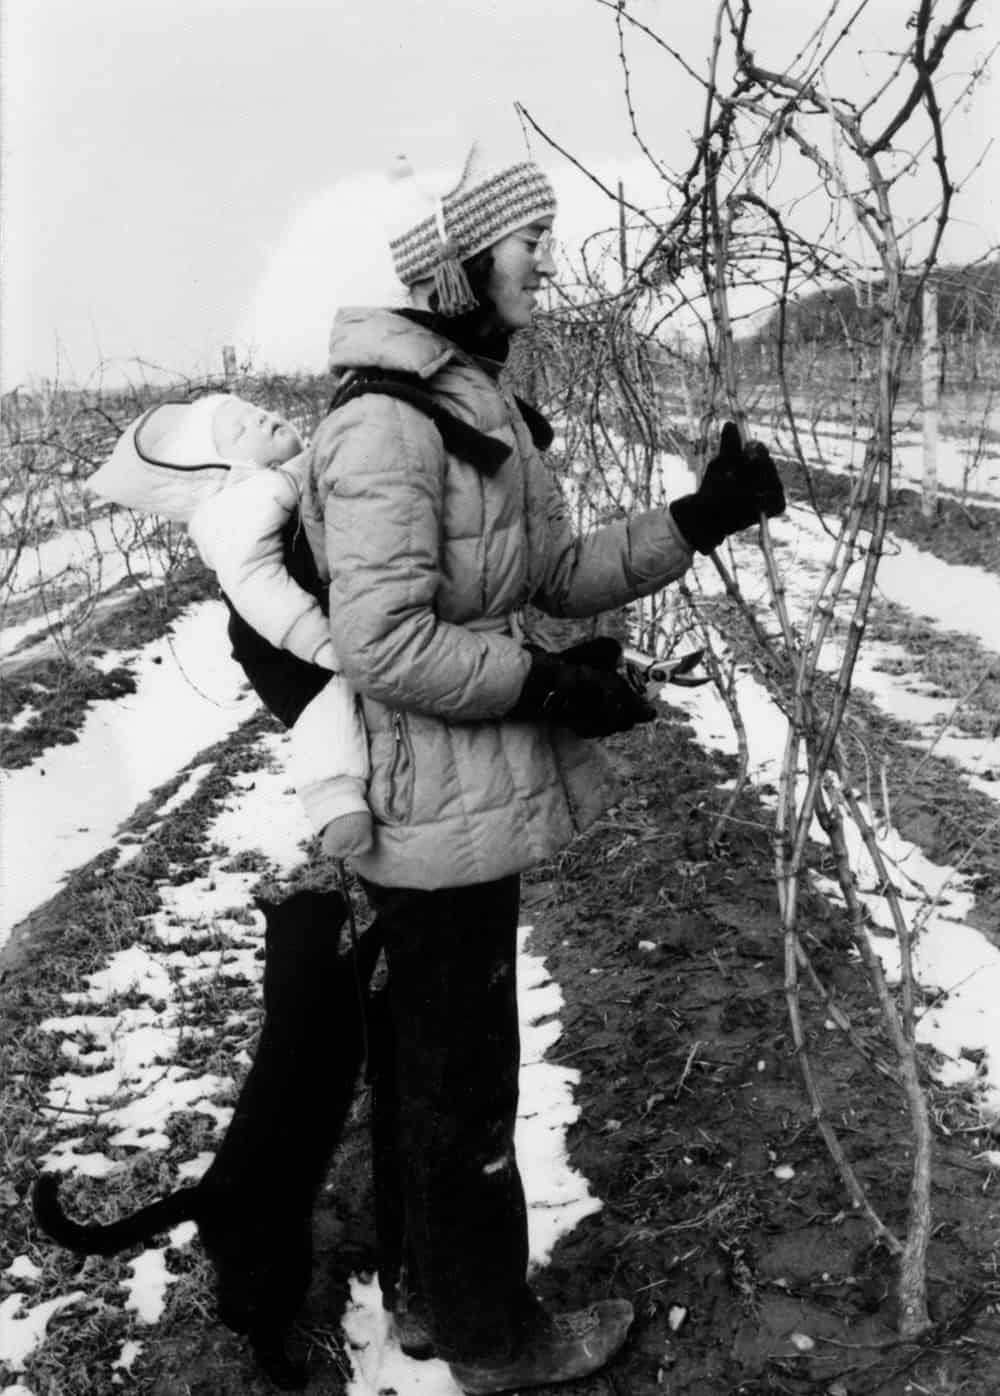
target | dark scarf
x=490, y=350
x=490, y=347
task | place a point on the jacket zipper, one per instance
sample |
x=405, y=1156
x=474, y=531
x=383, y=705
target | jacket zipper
x=398, y=808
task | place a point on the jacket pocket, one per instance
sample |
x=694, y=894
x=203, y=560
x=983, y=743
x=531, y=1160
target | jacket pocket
x=398, y=802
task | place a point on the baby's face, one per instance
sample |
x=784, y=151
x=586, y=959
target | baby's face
x=248, y=433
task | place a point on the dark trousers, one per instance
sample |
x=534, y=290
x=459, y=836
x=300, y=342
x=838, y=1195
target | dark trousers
x=445, y=1052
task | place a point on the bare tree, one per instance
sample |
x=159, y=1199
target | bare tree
x=62, y=550
x=789, y=201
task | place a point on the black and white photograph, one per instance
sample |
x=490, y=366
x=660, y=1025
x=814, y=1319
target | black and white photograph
x=577, y=424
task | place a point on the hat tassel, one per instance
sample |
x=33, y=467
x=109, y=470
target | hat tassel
x=454, y=294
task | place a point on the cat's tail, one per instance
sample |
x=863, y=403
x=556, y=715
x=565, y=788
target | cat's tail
x=112, y=1237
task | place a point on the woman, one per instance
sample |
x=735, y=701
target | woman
x=481, y=751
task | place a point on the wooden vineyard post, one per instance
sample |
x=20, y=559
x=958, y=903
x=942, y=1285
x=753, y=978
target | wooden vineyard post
x=622, y=243
x=929, y=398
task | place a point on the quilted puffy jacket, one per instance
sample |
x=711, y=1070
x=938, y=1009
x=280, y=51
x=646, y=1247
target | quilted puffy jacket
x=430, y=558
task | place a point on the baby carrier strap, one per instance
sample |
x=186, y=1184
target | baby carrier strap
x=542, y=434
x=466, y=442
x=283, y=682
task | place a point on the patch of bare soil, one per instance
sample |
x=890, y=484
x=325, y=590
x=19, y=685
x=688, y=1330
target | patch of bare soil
x=962, y=533
x=724, y=1220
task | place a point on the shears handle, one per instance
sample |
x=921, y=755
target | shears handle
x=642, y=669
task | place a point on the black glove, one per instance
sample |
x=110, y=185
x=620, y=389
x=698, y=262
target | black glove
x=739, y=484
x=590, y=701
x=599, y=652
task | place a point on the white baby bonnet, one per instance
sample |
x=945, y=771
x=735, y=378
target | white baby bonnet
x=166, y=461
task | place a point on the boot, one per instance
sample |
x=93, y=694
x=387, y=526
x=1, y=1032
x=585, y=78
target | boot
x=558, y=1347
x=411, y=1326
x=410, y=1320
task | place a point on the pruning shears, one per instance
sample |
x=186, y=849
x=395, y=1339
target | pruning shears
x=641, y=669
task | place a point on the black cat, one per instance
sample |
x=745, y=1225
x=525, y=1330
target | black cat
x=254, y=1205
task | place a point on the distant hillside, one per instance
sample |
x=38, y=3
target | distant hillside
x=968, y=306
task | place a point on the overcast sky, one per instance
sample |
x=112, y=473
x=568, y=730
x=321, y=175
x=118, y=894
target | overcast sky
x=180, y=174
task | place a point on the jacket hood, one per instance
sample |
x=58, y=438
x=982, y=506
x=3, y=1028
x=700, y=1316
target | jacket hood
x=363, y=337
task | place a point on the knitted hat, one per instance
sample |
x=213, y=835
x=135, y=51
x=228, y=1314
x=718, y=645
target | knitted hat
x=489, y=201
x=166, y=461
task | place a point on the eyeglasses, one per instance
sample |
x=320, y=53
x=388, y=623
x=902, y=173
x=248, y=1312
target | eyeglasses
x=541, y=246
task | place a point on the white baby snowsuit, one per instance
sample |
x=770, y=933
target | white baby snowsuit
x=236, y=513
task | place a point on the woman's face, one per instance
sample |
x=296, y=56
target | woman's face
x=522, y=263
x=247, y=433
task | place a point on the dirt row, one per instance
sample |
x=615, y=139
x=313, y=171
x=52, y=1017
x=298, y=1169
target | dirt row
x=723, y=1220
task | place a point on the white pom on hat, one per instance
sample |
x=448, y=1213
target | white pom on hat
x=400, y=168
x=490, y=199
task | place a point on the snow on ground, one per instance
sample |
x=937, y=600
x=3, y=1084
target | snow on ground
x=120, y=1074
x=95, y=557
x=967, y=469
x=952, y=595
x=22, y=1330
x=128, y=1082
x=65, y=807
x=950, y=957
x=949, y=598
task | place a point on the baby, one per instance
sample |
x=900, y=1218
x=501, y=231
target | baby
x=235, y=475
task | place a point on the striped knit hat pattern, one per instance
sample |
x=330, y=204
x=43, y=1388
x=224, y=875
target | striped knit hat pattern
x=486, y=204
